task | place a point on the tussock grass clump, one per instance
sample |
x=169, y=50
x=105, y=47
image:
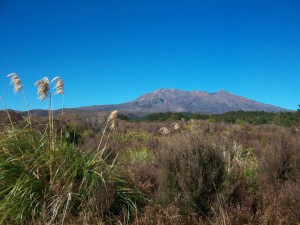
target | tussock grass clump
x=82, y=184
x=21, y=189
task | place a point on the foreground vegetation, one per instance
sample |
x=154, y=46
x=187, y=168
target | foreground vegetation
x=85, y=171
x=198, y=173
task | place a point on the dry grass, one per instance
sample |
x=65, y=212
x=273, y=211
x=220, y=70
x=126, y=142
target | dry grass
x=261, y=172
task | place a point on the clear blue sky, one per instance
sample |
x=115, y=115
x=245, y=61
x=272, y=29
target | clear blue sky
x=112, y=51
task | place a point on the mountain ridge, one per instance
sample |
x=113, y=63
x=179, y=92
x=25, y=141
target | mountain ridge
x=174, y=100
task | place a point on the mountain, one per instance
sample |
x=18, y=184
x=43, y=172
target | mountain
x=173, y=100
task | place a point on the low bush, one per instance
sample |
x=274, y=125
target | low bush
x=191, y=172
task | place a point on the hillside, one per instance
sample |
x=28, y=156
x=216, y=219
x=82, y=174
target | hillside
x=172, y=100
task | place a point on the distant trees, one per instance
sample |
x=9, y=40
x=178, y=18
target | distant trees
x=236, y=117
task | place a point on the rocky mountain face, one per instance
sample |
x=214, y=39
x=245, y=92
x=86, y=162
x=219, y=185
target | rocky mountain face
x=172, y=100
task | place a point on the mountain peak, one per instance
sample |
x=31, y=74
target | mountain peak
x=223, y=92
x=173, y=90
x=166, y=90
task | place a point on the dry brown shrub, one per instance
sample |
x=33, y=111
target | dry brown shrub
x=166, y=215
x=191, y=171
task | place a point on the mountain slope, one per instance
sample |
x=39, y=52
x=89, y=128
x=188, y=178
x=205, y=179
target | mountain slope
x=172, y=100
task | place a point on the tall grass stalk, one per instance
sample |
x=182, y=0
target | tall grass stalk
x=45, y=92
x=111, y=120
x=59, y=89
x=27, y=107
x=7, y=112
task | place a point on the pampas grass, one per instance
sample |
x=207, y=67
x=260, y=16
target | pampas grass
x=15, y=80
x=59, y=90
x=176, y=126
x=43, y=88
x=111, y=122
x=45, y=92
x=164, y=130
x=59, y=86
x=112, y=116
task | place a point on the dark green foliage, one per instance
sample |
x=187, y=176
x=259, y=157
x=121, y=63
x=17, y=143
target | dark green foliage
x=237, y=117
x=164, y=116
x=124, y=117
x=73, y=136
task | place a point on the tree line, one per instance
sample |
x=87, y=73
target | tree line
x=236, y=117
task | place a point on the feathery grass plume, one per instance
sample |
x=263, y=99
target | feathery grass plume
x=112, y=116
x=43, y=88
x=111, y=120
x=176, y=126
x=164, y=131
x=18, y=87
x=113, y=126
x=59, y=86
x=16, y=82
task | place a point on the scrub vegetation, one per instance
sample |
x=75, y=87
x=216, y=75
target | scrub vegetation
x=83, y=168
